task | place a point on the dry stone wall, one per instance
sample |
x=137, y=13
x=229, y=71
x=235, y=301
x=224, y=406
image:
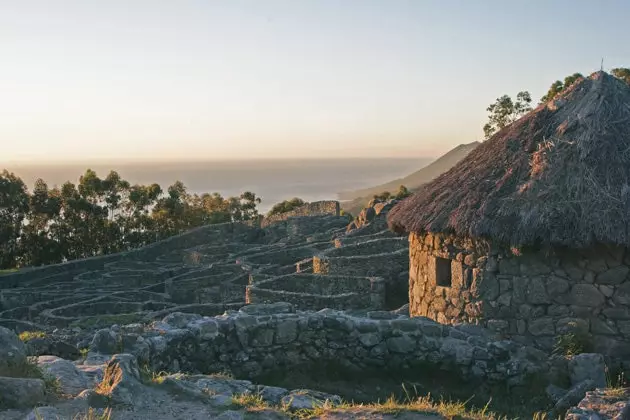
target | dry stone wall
x=529, y=296
x=317, y=208
x=314, y=291
x=261, y=339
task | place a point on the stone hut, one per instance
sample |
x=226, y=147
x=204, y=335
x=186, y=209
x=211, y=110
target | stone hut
x=529, y=234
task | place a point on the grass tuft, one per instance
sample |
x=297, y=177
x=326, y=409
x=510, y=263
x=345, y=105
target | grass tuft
x=27, y=336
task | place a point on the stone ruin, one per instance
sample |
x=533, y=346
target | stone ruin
x=304, y=291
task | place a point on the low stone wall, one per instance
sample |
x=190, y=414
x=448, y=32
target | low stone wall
x=202, y=235
x=261, y=339
x=528, y=296
x=317, y=208
x=314, y=292
x=391, y=266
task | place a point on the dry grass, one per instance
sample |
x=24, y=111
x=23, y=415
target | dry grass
x=30, y=369
x=556, y=176
x=26, y=336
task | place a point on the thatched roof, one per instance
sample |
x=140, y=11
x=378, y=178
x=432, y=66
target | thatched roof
x=560, y=175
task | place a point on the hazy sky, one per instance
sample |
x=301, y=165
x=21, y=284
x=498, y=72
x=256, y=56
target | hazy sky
x=90, y=79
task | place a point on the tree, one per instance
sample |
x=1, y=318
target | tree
x=504, y=111
x=13, y=210
x=622, y=73
x=559, y=87
x=286, y=206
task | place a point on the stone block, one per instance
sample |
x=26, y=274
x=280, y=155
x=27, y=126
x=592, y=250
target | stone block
x=616, y=275
x=536, y=292
x=541, y=326
x=588, y=366
x=586, y=295
x=599, y=326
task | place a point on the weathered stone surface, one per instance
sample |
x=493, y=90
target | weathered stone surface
x=588, y=366
x=541, y=326
x=614, y=275
x=12, y=350
x=231, y=415
x=536, y=292
x=586, y=295
x=21, y=392
x=121, y=381
x=50, y=346
x=105, y=341
x=557, y=286
x=573, y=396
x=306, y=399
x=603, y=405
x=71, y=380
x=44, y=413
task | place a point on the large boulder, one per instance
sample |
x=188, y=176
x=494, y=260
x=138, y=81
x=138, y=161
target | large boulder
x=12, y=350
x=121, y=381
x=21, y=392
x=105, y=341
x=71, y=380
x=588, y=366
x=49, y=346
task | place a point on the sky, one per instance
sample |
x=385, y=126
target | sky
x=88, y=80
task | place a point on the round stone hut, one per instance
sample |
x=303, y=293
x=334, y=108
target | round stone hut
x=529, y=234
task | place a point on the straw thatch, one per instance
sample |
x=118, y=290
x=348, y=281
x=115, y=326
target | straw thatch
x=557, y=176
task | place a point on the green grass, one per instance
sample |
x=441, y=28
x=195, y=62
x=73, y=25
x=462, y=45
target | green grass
x=27, y=336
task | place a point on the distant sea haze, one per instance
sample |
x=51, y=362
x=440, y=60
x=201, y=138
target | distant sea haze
x=273, y=181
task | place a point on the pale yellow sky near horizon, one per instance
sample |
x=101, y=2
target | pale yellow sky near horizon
x=244, y=79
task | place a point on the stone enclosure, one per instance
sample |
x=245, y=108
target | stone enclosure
x=206, y=271
x=526, y=295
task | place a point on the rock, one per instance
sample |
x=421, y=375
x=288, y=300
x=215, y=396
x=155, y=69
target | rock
x=402, y=344
x=105, y=341
x=541, y=326
x=49, y=346
x=403, y=310
x=12, y=350
x=268, y=308
x=555, y=393
x=204, y=328
x=306, y=399
x=614, y=275
x=121, y=381
x=573, y=396
x=179, y=319
x=21, y=392
x=286, y=331
x=365, y=216
x=44, y=413
x=71, y=380
x=272, y=394
x=231, y=415
x=536, y=292
x=586, y=295
x=588, y=366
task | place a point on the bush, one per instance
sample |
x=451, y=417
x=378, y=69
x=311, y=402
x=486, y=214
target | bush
x=286, y=206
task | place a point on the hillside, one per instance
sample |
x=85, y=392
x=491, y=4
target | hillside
x=422, y=176
x=358, y=199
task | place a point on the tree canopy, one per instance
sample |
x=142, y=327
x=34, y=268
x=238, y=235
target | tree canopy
x=100, y=216
x=286, y=206
x=505, y=111
x=558, y=86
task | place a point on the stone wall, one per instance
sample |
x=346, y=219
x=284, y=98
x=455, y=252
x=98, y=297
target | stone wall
x=378, y=258
x=315, y=292
x=261, y=339
x=317, y=208
x=526, y=295
x=202, y=235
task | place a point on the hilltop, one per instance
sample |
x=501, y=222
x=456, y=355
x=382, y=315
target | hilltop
x=357, y=199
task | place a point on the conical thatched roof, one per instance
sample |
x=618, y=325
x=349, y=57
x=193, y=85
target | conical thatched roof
x=559, y=175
